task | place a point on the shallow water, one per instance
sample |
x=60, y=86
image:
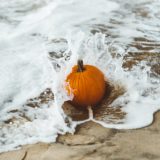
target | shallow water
x=40, y=42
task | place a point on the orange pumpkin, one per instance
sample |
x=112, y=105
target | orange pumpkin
x=87, y=84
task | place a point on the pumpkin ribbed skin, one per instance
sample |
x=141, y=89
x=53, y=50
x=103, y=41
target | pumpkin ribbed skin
x=87, y=86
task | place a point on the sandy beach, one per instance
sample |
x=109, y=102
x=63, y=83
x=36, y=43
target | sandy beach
x=94, y=142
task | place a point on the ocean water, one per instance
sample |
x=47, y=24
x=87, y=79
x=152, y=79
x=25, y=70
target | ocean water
x=41, y=40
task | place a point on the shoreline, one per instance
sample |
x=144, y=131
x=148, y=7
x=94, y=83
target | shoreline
x=94, y=142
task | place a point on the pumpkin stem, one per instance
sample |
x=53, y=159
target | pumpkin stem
x=80, y=65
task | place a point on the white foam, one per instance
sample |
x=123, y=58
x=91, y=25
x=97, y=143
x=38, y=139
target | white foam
x=141, y=98
x=26, y=72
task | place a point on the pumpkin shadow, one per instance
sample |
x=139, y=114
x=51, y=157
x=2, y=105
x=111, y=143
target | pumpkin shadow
x=102, y=111
x=105, y=111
